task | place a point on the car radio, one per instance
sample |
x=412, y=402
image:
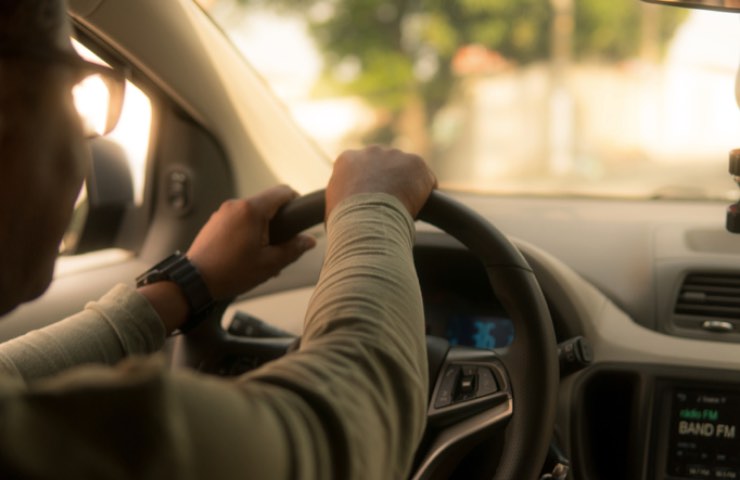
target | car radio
x=702, y=439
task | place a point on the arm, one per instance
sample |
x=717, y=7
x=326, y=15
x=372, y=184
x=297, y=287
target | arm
x=233, y=254
x=359, y=382
x=121, y=323
x=361, y=372
x=350, y=404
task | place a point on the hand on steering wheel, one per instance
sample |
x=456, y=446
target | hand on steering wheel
x=526, y=372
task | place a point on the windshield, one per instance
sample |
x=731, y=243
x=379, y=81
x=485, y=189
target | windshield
x=560, y=97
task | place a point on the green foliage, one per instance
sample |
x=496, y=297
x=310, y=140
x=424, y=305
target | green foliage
x=611, y=30
x=440, y=34
x=407, y=46
x=386, y=79
x=607, y=29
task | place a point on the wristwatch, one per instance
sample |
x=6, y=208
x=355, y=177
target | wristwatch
x=177, y=268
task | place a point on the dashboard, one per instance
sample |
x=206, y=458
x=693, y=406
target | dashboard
x=659, y=401
x=656, y=422
x=459, y=304
x=611, y=271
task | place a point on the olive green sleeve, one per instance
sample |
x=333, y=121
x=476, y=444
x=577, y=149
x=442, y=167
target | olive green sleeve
x=349, y=404
x=121, y=323
x=362, y=362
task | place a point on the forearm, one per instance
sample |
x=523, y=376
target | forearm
x=369, y=281
x=350, y=404
x=120, y=324
x=362, y=361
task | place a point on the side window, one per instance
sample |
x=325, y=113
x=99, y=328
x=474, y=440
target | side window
x=114, y=188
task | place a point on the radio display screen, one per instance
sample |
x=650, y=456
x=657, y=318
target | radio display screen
x=704, y=439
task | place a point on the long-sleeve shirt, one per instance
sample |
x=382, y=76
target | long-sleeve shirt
x=350, y=403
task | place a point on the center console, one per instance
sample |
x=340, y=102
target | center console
x=656, y=422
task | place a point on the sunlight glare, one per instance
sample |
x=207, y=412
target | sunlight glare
x=92, y=98
x=134, y=126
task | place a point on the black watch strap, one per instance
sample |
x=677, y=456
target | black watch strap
x=177, y=268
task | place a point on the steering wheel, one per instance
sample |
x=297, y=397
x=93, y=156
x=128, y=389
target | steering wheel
x=508, y=396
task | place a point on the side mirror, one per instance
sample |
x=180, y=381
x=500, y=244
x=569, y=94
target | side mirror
x=110, y=194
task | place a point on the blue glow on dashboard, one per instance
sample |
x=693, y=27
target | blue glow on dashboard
x=480, y=332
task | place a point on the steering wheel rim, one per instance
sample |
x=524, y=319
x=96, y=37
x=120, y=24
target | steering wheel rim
x=531, y=359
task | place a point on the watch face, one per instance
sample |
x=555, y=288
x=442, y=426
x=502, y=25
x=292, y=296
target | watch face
x=160, y=271
x=152, y=276
x=178, y=269
x=169, y=262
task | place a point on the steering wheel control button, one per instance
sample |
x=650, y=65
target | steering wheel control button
x=447, y=387
x=461, y=383
x=486, y=382
x=466, y=388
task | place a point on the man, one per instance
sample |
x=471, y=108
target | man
x=349, y=404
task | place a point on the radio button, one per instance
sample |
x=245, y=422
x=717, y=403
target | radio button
x=699, y=471
x=725, y=473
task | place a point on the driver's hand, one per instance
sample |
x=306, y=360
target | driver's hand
x=378, y=169
x=233, y=251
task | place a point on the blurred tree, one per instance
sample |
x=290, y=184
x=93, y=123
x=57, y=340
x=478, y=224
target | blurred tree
x=399, y=54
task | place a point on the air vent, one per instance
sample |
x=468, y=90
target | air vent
x=710, y=295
